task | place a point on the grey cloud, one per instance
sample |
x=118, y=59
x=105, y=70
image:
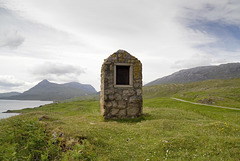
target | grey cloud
x=194, y=61
x=58, y=72
x=225, y=12
x=216, y=19
x=9, y=33
x=57, y=69
x=9, y=82
x=11, y=39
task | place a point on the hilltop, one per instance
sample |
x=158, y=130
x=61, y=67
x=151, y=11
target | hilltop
x=223, y=71
x=49, y=91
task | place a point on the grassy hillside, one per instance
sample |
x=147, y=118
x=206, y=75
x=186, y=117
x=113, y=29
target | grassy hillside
x=169, y=129
x=218, y=92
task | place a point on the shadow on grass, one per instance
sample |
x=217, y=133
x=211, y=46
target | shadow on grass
x=143, y=117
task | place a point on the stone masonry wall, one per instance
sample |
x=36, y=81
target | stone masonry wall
x=121, y=102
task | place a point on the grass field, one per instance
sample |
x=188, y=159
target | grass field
x=168, y=130
x=216, y=92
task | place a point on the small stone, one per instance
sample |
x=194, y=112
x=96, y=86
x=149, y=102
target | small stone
x=133, y=111
x=105, y=97
x=43, y=118
x=132, y=92
x=136, y=85
x=114, y=104
x=106, y=92
x=109, y=104
x=111, y=97
x=117, y=97
x=125, y=92
x=134, y=99
x=139, y=92
x=122, y=112
x=122, y=104
x=114, y=111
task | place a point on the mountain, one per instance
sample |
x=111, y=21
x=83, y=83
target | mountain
x=46, y=90
x=77, y=85
x=5, y=95
x=223, y=71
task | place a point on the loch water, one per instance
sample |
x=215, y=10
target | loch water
x=6, y=105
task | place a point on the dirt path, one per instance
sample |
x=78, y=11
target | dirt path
x=230, y=108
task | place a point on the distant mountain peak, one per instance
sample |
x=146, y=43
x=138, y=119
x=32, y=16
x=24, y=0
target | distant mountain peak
x=45, y=81
x=46, y=90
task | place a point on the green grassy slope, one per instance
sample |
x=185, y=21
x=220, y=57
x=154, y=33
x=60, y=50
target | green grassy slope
x=218, y=92
x=169, y=129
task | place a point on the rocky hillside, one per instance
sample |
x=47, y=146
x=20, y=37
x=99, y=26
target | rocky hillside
x=46, y=90
x=223, y=71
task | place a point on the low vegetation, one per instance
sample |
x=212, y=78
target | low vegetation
x=168, y=130
x=216, y=92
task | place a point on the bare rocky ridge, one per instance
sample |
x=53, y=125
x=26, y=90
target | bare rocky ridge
x=223, y=71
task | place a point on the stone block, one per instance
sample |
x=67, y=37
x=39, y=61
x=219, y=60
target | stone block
x=122, y=113
x=114, y=104
x=133, y=110
x=122, y=104
x=108, y=104
x=114, y=111
x=134, y=99
x=111, y=97
x=105, y=97
x=125, y=92
x=117, y=97
x=139, y=92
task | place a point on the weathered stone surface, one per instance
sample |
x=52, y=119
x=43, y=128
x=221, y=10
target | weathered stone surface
x=137, y=85
x=132, y=111
x=108, y=104
x=122, y=113
x=130, y=92
x=135, y=99
x=122, y=104
x=125, y=92
x=111, y=97
x=117, y=97
x=139, y=92
x=114, y=111
x=121, y=100
x=105, y=97
x=114, y=104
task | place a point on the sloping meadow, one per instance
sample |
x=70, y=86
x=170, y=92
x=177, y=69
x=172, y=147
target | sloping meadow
x=169, y=129
x=213, y=92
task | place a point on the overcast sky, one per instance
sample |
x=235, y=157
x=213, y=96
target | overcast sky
x=67, y=40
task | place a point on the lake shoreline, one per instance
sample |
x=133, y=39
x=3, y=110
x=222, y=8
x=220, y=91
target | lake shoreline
x=9, y=108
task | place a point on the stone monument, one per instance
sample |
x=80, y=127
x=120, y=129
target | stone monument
x=121, y=86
